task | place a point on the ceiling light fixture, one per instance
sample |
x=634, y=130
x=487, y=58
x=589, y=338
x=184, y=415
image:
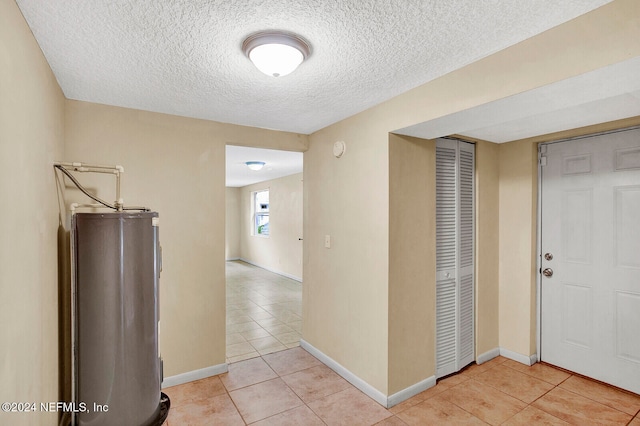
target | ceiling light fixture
x=276, y=53
x=255, y=165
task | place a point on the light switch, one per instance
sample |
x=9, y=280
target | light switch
x=327, y=241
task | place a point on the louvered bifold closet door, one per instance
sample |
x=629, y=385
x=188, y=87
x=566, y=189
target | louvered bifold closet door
x=446, y=243
x=454, y=255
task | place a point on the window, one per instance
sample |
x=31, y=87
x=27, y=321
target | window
x=261, y=213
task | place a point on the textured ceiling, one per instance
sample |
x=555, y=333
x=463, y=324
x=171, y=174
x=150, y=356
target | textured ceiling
x=183, y=57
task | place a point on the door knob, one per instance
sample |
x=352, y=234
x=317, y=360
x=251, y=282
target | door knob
x=548, y=272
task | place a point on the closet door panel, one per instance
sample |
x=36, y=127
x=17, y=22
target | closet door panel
x=446, y=250
x=466, y=255
x=454, y=255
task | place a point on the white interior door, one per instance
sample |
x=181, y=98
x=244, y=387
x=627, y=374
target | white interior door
x=590, y=225
x=454, y=255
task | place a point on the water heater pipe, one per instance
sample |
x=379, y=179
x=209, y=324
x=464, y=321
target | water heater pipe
x=94, y=168
x=118, y=205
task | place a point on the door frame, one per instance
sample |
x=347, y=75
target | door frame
x=541, y=151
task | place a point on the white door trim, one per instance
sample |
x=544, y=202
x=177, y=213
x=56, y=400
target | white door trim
x=541, y=148
x=539, y=257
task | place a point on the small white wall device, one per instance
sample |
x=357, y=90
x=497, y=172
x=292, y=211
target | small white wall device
x=339, y=148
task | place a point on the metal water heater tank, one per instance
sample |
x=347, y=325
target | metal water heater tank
x=118, y=368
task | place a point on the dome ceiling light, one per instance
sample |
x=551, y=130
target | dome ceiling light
x=276, y=53
x=255, y=165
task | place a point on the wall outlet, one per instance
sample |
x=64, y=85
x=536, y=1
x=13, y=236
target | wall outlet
x=327, y=241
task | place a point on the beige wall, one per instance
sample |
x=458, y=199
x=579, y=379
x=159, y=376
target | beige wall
x=176, y=166
x=232, y=224
x=31, y=140
x=487, y=246
x=348, y=313
x=412, y=266
x=281, y=252
x=517, y=242
x=345, y=291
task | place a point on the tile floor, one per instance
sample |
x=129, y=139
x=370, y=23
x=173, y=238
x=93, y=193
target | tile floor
x=271, y=381
x=264, y=312
x=292, y=387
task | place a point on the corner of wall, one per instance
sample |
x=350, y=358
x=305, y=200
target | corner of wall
x=31, y=280
x=517, y=200
x=232, y=223
x=487, y=246
x=412, y=244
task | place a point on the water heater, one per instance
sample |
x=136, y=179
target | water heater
x=117, y=364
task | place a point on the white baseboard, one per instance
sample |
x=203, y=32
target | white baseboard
x=191, y=376
x=366, y=388
x=356, y=381
x=523, y=359
x=232, y=259
x=284, y=274
x=487, y=356
x=412, y=390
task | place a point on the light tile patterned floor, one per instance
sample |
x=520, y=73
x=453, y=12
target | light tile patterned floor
x=264, y=312
x=292, y=387
x=271, y=381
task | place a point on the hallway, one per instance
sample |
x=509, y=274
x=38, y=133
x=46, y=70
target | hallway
x=264, y=312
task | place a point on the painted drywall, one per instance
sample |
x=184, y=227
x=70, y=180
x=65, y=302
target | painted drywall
x=281, y=251
x=517, y=242
x=347, y=311
x=487, y=247
x=412, y=267
x=174, y=165
x=31, y=140
x=232, y=224
x=345, y=291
